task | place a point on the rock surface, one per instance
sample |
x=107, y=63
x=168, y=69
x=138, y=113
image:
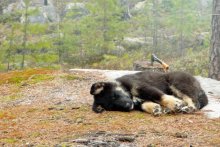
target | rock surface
x=210, y=86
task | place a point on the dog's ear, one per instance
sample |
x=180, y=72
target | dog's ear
x=97, y=108
x=97, y=88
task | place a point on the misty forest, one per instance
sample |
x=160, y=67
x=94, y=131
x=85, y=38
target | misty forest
x=105, y=34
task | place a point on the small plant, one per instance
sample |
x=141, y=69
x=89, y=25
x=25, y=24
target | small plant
x=39, y=78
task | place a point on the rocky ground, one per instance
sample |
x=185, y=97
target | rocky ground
x=57, y=112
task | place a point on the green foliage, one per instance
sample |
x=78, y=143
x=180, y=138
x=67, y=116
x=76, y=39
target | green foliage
x=10, y=17
x=195, y=63
x=90, y=38
x=2, y=67
x=16, y=80
x=37, y=29
x=124, y=62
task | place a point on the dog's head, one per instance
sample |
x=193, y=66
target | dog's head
x=110, y=96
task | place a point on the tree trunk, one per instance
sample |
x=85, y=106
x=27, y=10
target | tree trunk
x=45, y=2
x=155, y=23
x=2, y=5
x=181, y=46
x=24, y=43
x=214, y=58
x=105, y=25
x=9, y=51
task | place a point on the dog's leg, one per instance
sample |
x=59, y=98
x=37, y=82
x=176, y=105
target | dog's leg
x=172, y=103
x=190, y=106
x=150, y=93
x=152, y=108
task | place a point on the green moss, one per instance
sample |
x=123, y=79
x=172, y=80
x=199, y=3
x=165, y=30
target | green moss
x=28, y=75
x=8, y=140
x=9, y=98
x=140, y=115
x=16, y=80
x=40, y=77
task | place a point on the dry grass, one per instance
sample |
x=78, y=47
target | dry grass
x=46, y=123
x=37, y=124
x=12, y=82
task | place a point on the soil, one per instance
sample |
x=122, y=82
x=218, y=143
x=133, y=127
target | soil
x=58, y=113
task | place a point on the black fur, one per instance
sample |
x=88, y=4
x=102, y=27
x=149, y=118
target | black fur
x=110, y=97
x=147, y=86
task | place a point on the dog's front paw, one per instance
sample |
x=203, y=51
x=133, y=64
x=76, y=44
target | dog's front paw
x=157, y=110
x=152, y=108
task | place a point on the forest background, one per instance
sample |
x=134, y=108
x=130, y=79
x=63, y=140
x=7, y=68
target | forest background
x=105, y=34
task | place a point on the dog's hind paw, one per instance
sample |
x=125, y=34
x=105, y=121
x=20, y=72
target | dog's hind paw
x=173, y=103
x=179, y=105
x=167, y=111
x=188, y=109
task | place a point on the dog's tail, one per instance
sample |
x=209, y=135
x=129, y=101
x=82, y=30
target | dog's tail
x=203, y=99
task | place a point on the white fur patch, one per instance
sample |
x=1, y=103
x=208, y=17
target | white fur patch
x=189, y=102
x=98, y=90
x=119, y=88
x=132, y=107
x=136, y=99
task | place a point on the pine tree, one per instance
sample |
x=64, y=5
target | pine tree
x=214, y=67
x=24, y=43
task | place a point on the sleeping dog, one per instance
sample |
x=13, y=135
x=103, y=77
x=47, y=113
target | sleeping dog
x=152, y=92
